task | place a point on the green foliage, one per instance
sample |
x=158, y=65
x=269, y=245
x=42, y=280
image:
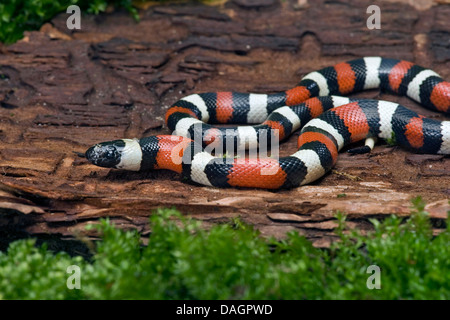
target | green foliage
x=28, y=272
x=231, y=261
x=17, y=16
x=392, y=141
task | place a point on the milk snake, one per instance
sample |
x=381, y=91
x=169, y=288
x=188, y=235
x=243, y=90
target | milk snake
x=329, y=123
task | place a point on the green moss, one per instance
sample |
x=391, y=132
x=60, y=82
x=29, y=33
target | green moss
x=231, y=261
x=17, y=16
x=392, y=141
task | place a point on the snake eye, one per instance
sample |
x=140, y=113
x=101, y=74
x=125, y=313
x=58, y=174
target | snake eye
x=105, y=154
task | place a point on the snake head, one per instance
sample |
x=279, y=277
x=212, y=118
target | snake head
x=105, y=154
x=121, y=154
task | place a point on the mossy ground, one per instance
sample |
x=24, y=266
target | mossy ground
x=232, y=261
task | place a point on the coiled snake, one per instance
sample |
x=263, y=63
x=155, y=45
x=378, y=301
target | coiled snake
x=329, y=123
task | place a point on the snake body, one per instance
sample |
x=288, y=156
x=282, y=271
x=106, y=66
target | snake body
x=329, y=123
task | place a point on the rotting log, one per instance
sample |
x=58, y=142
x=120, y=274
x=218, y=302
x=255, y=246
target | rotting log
x=62, y=91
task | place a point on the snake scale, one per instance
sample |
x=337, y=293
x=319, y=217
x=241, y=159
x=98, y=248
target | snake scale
x=328, y=122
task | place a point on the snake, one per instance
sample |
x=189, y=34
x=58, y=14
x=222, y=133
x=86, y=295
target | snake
x=208, y=129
